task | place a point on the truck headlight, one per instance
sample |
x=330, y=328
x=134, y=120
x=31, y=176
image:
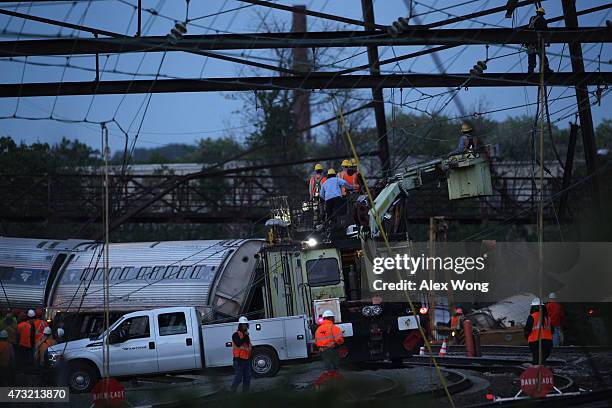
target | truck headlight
x=373, y=310
x=366, y=311
x=54, y=357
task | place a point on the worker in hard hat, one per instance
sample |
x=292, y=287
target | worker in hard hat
x=241, y=350
x=7, y=360
x=59, y=335
x=358, y=181
x=25, y=334
x=40, y=325
x=557, y=316
x=456, y=320
x=538, y=332
x=350, y=175
x=316, y=181
x=314, y=189
x=467, y=140
x=10, y=325
x=331, y=192
x=346, y=174
x=327, y=338
x=538, y=23
x=47, y=341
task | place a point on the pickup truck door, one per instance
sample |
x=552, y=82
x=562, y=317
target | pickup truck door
x=176, y=341
x=134, y=351
x=295, y=336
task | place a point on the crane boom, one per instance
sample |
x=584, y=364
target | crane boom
x=467, y=174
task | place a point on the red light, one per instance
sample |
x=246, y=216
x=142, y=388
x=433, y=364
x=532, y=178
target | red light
x=591, y=312
x=490, y=397
x=423, y=310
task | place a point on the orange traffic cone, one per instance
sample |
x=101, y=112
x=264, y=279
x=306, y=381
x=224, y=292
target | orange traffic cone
x=443, y=349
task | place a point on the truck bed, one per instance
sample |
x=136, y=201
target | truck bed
x=288, y=336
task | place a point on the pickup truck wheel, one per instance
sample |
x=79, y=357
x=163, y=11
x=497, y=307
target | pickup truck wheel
x=264, y=362
x=82, y=377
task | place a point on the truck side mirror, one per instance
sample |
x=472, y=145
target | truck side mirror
x=115, y=337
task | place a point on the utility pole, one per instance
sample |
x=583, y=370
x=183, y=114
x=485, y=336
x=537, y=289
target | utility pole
x=584, y=106
x=301, y=103
x=377, y=95
x=567, y=172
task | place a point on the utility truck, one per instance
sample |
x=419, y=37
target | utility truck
x=308, y=270
x=173, y=340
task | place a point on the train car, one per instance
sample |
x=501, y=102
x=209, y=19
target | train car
x=215, y=276
x=29, y=267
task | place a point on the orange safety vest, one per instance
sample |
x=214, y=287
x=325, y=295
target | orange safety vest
x=243, y=352
x=6, y=352
x=316, y=182
x=555, y=313
x=24, y=330
x=39, y=328
x=42, y=349
x=352, y=180
x=535, y=330
x=328, y=335
x=455, y=320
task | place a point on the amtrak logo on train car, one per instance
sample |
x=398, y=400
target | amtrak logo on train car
x=25, y=275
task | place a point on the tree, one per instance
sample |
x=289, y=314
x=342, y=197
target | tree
x=212, y=151
x=603, y=133
x=42, y=158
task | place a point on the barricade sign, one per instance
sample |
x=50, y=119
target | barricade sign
x=108, y=392
x=537, y=381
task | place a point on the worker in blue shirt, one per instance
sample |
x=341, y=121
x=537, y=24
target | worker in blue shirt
x=331, y=192
x=467, y=141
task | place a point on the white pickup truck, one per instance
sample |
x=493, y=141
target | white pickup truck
x=171, y=340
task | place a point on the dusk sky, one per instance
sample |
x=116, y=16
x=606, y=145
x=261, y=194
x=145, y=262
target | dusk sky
x=187, y=117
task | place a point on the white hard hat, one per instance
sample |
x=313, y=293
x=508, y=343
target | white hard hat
x=536, y=302
x=3, y=334
x=47, y=330
x=328, y=313
x=60, y=332
x=31, y=313
x=552, y=295
x=243, y=320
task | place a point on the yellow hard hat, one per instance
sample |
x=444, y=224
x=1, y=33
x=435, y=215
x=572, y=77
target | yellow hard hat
x=540, y=10
x=318, y=166
x=466, y=127
x=331, y=172
x=346, y=163
x=353, y=162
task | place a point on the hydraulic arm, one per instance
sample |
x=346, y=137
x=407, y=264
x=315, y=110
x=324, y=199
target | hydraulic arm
x=467, y=174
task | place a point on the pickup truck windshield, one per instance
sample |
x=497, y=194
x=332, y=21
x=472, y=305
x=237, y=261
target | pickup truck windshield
x=101, y=335
x=323, y=271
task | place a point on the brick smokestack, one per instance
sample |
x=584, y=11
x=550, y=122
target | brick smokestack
x=301, y=104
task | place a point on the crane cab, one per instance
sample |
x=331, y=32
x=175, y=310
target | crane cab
x=295, y=277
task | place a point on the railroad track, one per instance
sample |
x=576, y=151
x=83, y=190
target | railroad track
x=514, y=350
x=592, y=399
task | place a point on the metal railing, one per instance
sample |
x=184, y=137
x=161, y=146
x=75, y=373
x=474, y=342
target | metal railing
x=242, y=198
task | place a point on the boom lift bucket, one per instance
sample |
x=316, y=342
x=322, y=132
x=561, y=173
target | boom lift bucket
x=469, y=177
